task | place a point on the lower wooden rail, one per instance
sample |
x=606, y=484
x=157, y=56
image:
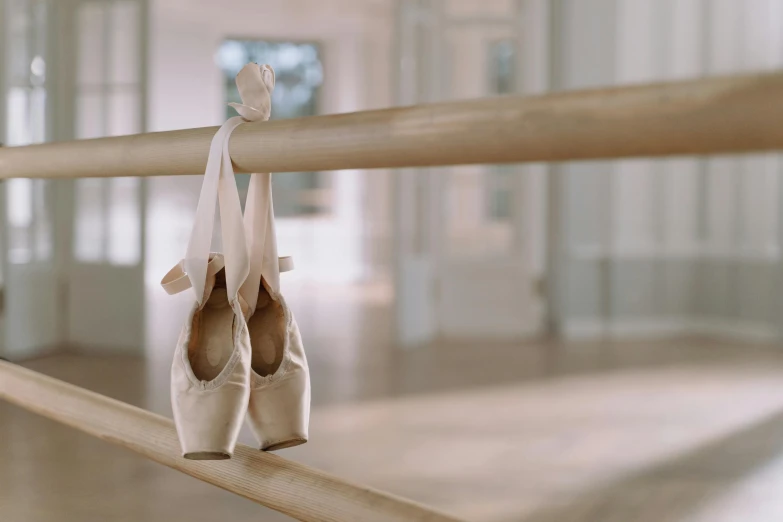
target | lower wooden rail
x=283, y=485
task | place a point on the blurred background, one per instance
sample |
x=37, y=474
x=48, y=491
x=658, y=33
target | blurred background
x=594, y=341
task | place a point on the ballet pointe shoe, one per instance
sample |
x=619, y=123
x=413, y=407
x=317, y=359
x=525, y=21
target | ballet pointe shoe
x=279, y=407
x=210, y=374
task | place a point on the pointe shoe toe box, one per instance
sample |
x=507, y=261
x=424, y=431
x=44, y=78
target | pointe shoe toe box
x=279, y=412
x=208, y=414
x=279, y=408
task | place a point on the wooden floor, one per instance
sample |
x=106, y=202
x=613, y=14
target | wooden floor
x=539, y=432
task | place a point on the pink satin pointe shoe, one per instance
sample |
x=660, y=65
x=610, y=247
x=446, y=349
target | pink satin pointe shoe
x=209, y=372
x=279, y=409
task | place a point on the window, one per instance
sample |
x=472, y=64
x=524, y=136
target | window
x=502, y=80
x=502, y=67
x=107, y=217
x=298, y=79
x=25, y=42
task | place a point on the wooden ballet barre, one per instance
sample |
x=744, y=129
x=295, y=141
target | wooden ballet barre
x=283, y=485
x=708, y=116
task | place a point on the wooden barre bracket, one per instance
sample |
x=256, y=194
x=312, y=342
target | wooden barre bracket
x=283, y=485
x=708, y=116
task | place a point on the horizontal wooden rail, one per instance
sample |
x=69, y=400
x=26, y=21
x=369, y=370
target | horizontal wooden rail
x=273, y=481
x=710, y=116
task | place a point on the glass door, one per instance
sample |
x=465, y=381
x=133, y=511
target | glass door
x=31, y=288
x=106, y=92
x=466, y=234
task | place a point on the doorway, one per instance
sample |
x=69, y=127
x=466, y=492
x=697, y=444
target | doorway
x=470, y=239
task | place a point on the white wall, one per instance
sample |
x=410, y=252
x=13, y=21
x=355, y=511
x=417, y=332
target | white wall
x=679, y=245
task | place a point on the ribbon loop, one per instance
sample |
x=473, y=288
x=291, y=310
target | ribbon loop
x=249, y=241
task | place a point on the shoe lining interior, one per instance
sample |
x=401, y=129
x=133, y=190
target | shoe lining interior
x=267, y=330
x=212, y=335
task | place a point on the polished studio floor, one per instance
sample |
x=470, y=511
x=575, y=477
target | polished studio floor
x=688, y=430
